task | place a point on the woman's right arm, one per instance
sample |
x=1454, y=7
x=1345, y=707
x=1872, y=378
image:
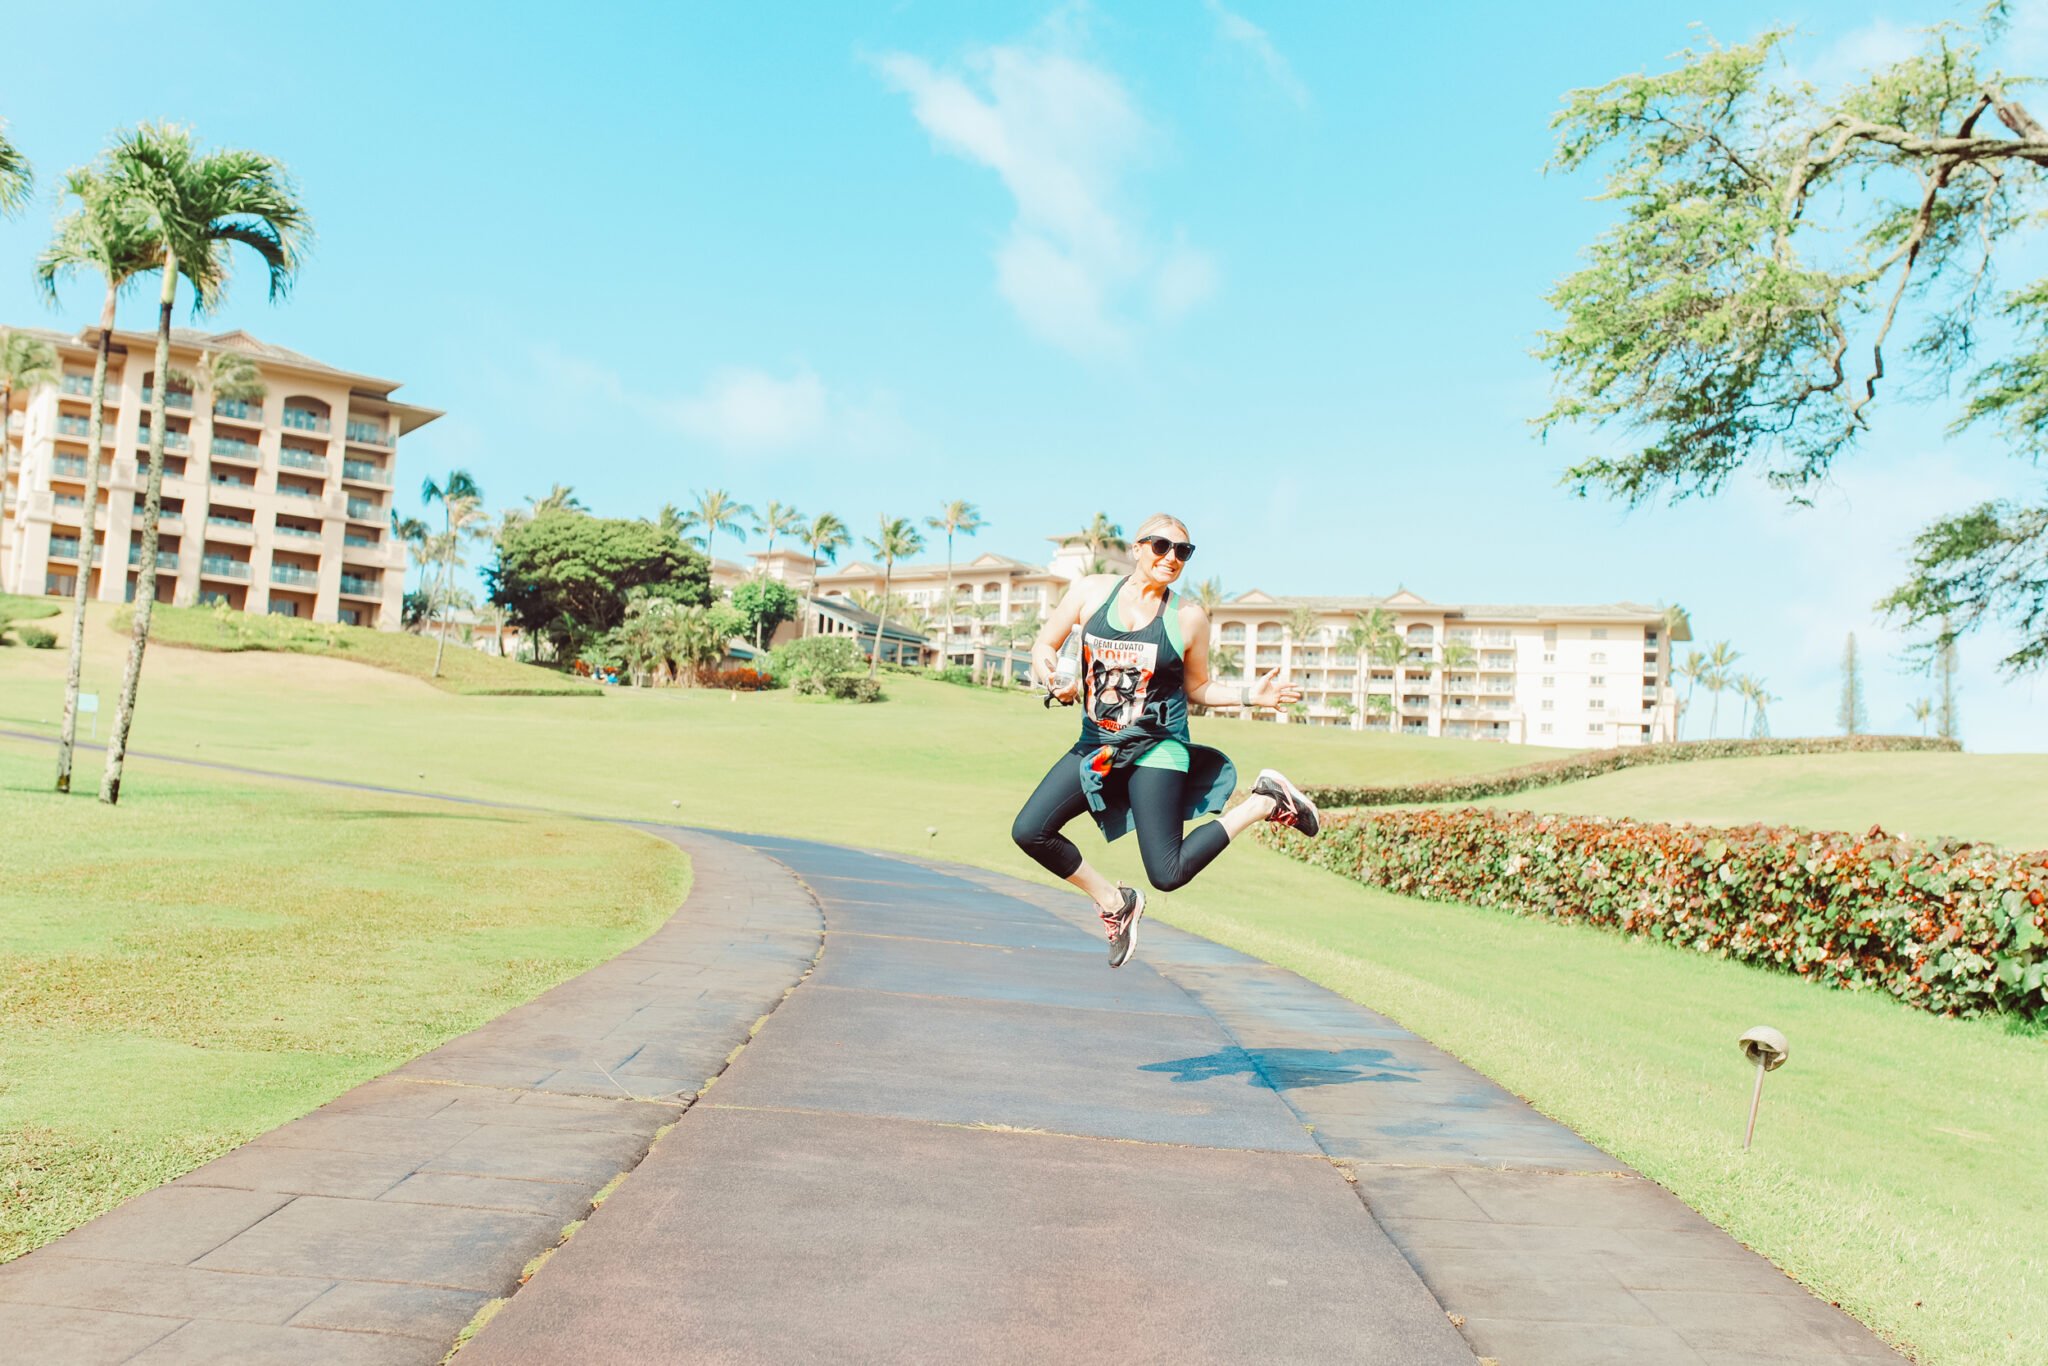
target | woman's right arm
x=1059, y=624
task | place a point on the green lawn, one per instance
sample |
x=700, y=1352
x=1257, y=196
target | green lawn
x=2000, y=798
x=13, y=608
x=1896, y=1155
x=210, y=959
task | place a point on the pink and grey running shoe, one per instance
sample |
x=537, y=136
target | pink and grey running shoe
x=1123, y=926
x=1291, y=805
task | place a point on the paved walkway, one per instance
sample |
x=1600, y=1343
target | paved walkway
x=960, y=1137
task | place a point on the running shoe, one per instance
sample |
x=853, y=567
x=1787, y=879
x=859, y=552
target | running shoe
x=1123, y=926
x=1291, y=805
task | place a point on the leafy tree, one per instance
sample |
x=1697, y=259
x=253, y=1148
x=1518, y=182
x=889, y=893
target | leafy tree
x=560, y=498
x=763, y=605
x=17, y=177
x=895, y=538
x=458, y=496
x=571, y=575
x=816, y=657
x=715, y=512
x=1772, y=239
x=110, y=235
x=953, y=517
x=26, y=363
x=198, y=206
x=1849, y=714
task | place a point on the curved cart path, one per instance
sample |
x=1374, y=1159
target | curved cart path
x=940, y=1129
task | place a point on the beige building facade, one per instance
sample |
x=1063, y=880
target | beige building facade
x=280, y=504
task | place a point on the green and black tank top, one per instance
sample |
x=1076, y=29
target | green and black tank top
x=1137, y=675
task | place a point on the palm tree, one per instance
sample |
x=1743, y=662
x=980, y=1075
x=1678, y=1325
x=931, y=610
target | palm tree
x=1209, y=594
x=954, y=517
x=1382, y=648
x=1763, y=701
x=671, y=522
x=1354, y=640
x=412, y=533
x=1747, y=686
x=109, y=235
x=715, y=512
x=1923, y=708
x=1720, y=662
x=25, y=364
x=1676, y=622
x=826, y=536
x=775, y=520
x=199, y=207
x=17, y=177
x=458, y=489
x=560, y=498
x=1098, y=536
x=1692, y=671
x=222, y=377
x=895, y=537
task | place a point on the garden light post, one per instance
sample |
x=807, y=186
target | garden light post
x=1767, y=1048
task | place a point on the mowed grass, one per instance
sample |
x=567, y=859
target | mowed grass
x=16, y=608
x=462, y=670
x=210, y=959
x=1897, y=1154
x=1998, y=798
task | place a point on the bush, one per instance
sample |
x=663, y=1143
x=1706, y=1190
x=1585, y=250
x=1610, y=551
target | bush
x=36, y=638
x=853, y=688
x=1577, y=767
x=1948, y=926
x=816, y=657
x=741, y=678
x=956, y=673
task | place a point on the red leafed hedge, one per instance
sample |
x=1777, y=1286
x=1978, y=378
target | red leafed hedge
x=739, y=678
x=1948, y=926
x=1591, y=764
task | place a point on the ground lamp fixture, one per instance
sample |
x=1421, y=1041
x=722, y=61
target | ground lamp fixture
x=1767, y=1048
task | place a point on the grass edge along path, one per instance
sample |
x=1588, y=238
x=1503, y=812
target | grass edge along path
x=159, y=1006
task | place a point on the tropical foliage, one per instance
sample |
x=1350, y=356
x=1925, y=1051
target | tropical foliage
x=570, y=576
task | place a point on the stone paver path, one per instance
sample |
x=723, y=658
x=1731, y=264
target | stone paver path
x=961, y=1137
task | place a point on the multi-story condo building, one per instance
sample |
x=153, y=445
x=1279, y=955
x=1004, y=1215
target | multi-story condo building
x=277, y=504
x=1570, y=676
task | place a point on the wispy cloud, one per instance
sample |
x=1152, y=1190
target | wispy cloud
x=1237, y=29
x=1063, y=135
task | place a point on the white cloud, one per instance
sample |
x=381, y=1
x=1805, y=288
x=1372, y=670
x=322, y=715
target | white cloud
x=1062, y=134
x=1853, y=55
x=1237, y=29
x=741, y=409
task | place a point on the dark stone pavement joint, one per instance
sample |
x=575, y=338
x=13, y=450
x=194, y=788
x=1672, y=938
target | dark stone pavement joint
x=372, y=1230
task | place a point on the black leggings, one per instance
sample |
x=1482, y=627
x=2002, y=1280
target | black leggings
x=1155, y=795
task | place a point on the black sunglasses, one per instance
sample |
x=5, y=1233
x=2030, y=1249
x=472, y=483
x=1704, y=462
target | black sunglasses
x=1159, y=545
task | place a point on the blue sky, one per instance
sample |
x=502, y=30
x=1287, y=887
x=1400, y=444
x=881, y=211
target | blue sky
x=1277, y=268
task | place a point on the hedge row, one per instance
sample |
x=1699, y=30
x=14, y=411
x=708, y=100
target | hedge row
x=1948, y=926
x=1593, y=763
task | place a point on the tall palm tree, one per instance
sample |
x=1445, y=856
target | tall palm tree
x=775, y=520
x=1762, y=727
x=111, y=236
x=17, y=177
x=1923, y=708
x=199, y=205
x=1747, y=686
x=560, y=498
x=671, y=522
x=826, y=536
x=1208, y=593
x=1354, y=640
x=1692, y=670
x=1098, y=536
x=953, y=517
x=412, y=533
x=26, y=363
x=715, y=512
x=458, y=491
x=1720, y=664
x=895, y=538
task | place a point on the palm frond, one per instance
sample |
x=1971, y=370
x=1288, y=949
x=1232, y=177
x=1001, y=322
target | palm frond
x=17, y=177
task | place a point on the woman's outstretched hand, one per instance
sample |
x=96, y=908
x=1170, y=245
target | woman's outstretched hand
x=1272, y=691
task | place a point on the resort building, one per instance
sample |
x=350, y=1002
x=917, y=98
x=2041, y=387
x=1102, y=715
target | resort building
x=278, y=504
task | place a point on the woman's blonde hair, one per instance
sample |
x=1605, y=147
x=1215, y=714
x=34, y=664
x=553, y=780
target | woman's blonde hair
x=1158, y=522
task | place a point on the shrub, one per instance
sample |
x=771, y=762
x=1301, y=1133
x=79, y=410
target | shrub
x=1577, y=767
x=741, y=678
x=816, y=657
x=954, y=673
x=36, y=638
x=1948, y=926
x=853, y=688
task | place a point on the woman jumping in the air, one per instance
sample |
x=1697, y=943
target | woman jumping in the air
x=1144, y=656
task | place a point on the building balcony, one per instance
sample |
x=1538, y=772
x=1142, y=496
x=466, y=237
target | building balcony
x=73, y=465
x=68, y=501
x=299, y=491
x=240, y=410
x=353, y=539
x=293, y=458
x=298, y=532
x=363, y=472
x=77, y=386
x=294, y=576
x=68, y=425
x=360, y=511
x=369, y=434
x=221, y=483
x=305, y=420
x=220, y=567
x=64, y=547
x=229, y=448
x=231, y=529
x=355, y=586
x=165, y=559
x=173, y=441
x=176, y=398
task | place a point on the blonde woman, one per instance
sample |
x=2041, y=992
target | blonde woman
x=1144, y=657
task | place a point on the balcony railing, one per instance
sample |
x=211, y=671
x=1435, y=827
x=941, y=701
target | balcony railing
x=64, y=547
x=285, y=573
x=239, y=410
x=303, y=533
x=301, y=460
x=213, y=519
x=357, y=587
x=69, y=500
x=223, y=481
x=176, y=398
x=173, y=441
x=362, y=511
x=69, y=464
x=223, y=568
x=165, y=559
x=78, y=386
x=296, y=491
x=234, y=450
x=351, y=539
x=73, y=426
x=363, y=472
x=369, y=433
x=305, y=420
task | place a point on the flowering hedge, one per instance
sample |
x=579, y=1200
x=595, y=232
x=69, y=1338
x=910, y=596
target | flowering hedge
x=1948, y=926
x=1593, y=763
x=740, y=678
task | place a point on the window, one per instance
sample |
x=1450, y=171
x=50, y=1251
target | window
x=1598, y=680
x=1549, y=680
x=1596, y=728
x=1599, y=633
x=1599, y=656
x=1598, y=704
x=1549, y=704
x=1550, y=635
x=1543, y=729
x=1549, y=658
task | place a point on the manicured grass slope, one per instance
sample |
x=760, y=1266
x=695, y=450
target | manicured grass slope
x=212, y=958
x=462, y=670
x=13, y=608
x=2000, y=798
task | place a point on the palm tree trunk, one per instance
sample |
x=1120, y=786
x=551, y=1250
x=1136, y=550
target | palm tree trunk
x=6, y=421
x=69, y=735
x=152, y=505
x=447, y=582
x=881, y=618
x=946, y=652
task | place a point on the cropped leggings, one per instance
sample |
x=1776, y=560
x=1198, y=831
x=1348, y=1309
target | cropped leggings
x=1171, y=861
